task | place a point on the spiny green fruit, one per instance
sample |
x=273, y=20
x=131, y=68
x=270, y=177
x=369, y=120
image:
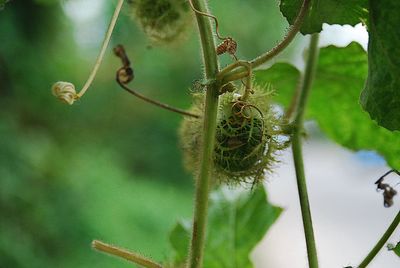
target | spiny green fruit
x=240, y=138
x=246, y=138
x=162, y=20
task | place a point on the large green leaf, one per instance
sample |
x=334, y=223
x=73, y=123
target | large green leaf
x=326, y=11
x=235, y=226
x=334, y=97
x=381, y=96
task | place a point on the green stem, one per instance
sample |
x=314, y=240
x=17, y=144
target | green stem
x=124, y=254
x=297, y=151
x=210, y=123
x=381, y=242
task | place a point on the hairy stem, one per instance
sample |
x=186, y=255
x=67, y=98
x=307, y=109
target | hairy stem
x=122, y=253
x=210, y=122
x=294, y=29
x=247, y=66
x=381, y=242
x=297, y=151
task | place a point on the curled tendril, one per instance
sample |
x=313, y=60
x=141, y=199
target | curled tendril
x=65, y=92
x=241, y=105
x=125, y=74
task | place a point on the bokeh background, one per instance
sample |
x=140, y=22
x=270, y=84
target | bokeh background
x=109, y=167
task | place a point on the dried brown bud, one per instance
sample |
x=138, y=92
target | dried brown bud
x=227, y=46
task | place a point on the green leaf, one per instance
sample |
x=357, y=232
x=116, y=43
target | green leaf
x=235, y=226
x=381, y=96
x=334, y=97
x=179, y=240
x=327, y=11
x=395, y=249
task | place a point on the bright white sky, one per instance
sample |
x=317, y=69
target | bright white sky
x=343, y=35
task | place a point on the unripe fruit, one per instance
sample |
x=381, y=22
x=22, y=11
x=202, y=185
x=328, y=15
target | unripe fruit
x=162, y=20
x=246, y=138
x=240, y=138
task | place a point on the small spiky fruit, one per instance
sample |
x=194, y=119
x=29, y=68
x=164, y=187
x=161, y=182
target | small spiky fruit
x=246, y=139
x=240, y=137
x=162, y=20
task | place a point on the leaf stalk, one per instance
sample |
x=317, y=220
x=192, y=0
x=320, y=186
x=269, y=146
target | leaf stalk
x=123, y=253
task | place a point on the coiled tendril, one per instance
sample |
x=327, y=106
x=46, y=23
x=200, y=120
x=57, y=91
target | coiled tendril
x=65, y=91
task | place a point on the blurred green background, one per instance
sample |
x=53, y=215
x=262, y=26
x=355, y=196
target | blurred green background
x=108, y=167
